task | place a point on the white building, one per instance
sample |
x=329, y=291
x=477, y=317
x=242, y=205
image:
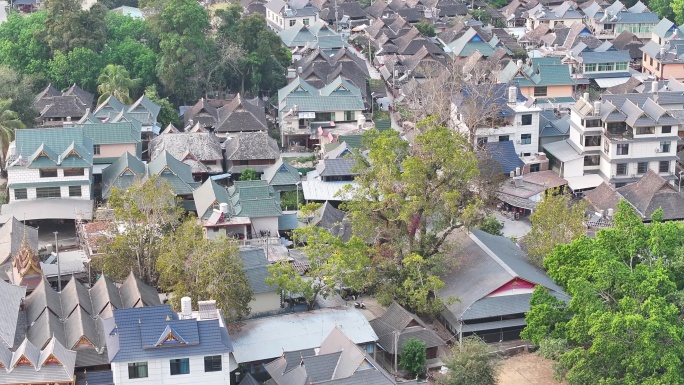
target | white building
x=283, y=14
x=514, y=118
x=617, y=139
x=49, y=174
x=154, y=345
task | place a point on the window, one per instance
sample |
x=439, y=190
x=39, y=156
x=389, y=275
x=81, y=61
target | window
x=592, y=140
x=540, y=91
x=623, y=149
x=323, y=116
x=650, y=61
x=74, y=171
x=664, y=146
x=621, y=169
x=526, y=120
x=527, y=154
x=48, y=173
x=591, y=160
x=180, y=366
x=292, y=22
x=666, y=129
x=645, y=130
x=590, y=67
x=620, y=66
x=504, y=138
x=526, y=139
x=657, y=66
x=20, y=193
x=370, y=348
x=664, y=166
x=137, y=370
x=212, y=363
x=48, y=192
x=75, y=191
x=305, y=21
x=606, y=67
x=534, y=167
x=642, y=167
x=96, y=149
x=349, y=115
x=618, y=185
x=593, y=123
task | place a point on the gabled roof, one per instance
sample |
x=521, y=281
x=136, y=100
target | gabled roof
x=255, y=265
x=652, y=192
x=122, y=173
x=134, y=335
x=504, y=154
x=210, y=114
x=84, y=96
x=281, y=174
x=50, y=142
x=338, y=95
x=12, y=234
x=175, y=172
x=241, y=115
x=11, y=297
x=251, y=145
x=336, y=167
x=399, y=320
x=486, y=263
x=206, y=195
x=145, y=104
x=111, y=104
x=203, y=146
x=333, y=220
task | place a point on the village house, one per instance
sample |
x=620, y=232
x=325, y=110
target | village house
x=604, y=66
x=300, y=37
x=199, y=150
x=223, y=117
x=544, y=79
x=267, y=298
x=493, y=308
x=301, y=104
x=662, y=55
x=619, y=138
x=157, y=345
x=282, y=14
x=282, y=177
x=55, y=108
x=250, y=150
x=616, y=18
x=49, y=174
x=565, y=14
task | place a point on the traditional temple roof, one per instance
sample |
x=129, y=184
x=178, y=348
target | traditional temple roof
x=26, y=269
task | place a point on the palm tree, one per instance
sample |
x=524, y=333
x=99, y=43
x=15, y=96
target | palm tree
x=9, y=121
x=115, y=81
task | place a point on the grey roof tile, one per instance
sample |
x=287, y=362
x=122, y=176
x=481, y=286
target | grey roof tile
x=255, y=265
x=336, y=167
x=11, y=297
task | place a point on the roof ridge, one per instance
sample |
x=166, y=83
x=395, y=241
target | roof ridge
x=492, y=255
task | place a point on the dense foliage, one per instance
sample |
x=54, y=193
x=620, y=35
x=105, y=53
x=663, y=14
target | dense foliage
x=471, y=363
x=172, y=49
x=623, y=324
x=413, y=356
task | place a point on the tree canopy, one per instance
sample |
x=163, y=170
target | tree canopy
x=623, y=324
x=471, y=363
x=413, y=356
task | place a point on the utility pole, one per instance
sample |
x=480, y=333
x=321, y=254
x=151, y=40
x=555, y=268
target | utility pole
x=59, y=269
x=396, y=349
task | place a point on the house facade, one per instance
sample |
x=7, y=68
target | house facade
x=267, y=298
x=300, y=104
x=49, y=174
x=156, y=345
x=662, y=56
x=613, y=20
x=282, y=14
x=512, y=118
x=544, y=78
x=619, y=138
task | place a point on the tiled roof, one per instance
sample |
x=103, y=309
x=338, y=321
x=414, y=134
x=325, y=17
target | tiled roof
x=175, y=172
x=200, y=146
x=122, y=173
x=241, y=115
x=52, y=142
x=134, y=335
x=11, y=298
x=251, y=146
x=408, y=325
x=336, y=167
x=336, y=96
x=602, y=197
x=334, y=220
x=112, y=133
x=504, y=154
x=205, y=196
x=255, y=265
x=652, y=192
x=281, y=174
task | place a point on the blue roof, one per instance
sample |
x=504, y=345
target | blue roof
x=504, y=154
x=140, y=334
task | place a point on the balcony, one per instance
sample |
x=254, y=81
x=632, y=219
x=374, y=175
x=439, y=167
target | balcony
x=618, y=135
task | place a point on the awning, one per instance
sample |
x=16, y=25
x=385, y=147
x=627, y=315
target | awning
x=562, y=150
x=517, y=201
x=316, y=190
x=48, y=208
x=611, y=82
x=97, y=168
x=220, y=176
x=493, y=325
x=577, y=183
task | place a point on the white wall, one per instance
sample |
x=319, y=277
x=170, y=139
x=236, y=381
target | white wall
x=265, y=302
x=265, y=224
x=32, y=175
x=573, y=168
x=159, y=372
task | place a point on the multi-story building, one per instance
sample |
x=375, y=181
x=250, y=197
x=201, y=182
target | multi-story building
x=282, y=14
x=663, y=57
x=49, y=174
x=513, y=117
x=613, y=20
x=619, y=138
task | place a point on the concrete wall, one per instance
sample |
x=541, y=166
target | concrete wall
x=32, y=175
x=159, y=372
x=116, y=150
x=265, y=302
x=551, y=91
x=265, y=224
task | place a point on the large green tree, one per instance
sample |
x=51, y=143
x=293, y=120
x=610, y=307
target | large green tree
x=556, y=220
x=20, y=88
x=413, y=356
x=168, y=114
x=182, y=27
x=115, y=81
x=21, y=45
x=624, y=322
x=407, y=202
x=9, y=122
x=678, y=10
x=144, y=214
x=202, y=269
x=662, y=7
x=67, y=26
x=333, y=264
x=81, y=66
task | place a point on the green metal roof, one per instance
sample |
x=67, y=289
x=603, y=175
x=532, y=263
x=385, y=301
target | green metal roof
x=122, y=173
x=112, y=133
x=281, y=174
x=339, y=95
x=383, y=124
x=259, y=208
x=353, y=141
